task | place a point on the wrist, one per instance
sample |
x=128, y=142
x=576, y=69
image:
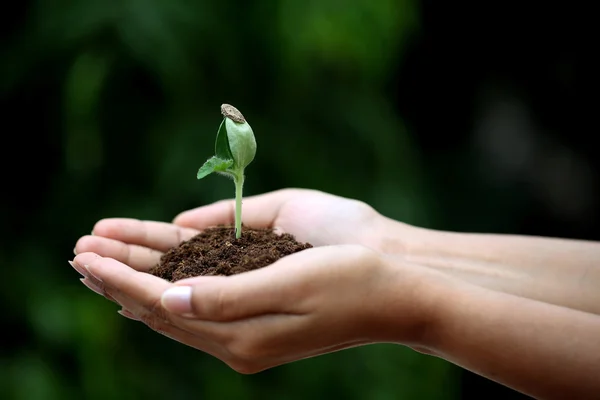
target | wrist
x=398, y=238
x=411, y=310
x=466, y=257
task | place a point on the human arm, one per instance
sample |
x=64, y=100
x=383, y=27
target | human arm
x=335, y=297
x=473, y=315
x=543, y=350
x=558, y=271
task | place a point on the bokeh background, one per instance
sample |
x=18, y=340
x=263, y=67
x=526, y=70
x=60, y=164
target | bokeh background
x=468, y=116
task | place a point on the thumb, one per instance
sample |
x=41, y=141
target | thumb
x=229, y=298
x=259, y=211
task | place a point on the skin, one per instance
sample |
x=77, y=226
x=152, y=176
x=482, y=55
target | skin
x=523, y=311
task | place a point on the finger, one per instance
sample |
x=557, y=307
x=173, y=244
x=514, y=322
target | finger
x=266, y=341
x=117, y=278
x=278, y=288
x=259, y=211
x=140, y=293
x=137, y=257
x=90, y=282
x=155, y=235
x=97, y=288
x=128, y=314
x=136, y=291
x=201, y=334
x=180, y=335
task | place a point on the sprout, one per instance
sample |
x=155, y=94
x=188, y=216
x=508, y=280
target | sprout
x=235, y=148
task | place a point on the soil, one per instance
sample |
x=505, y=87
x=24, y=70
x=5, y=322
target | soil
x=216, y=251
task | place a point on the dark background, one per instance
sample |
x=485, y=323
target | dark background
x=459, y=116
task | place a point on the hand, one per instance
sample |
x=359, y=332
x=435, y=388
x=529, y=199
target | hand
x=311, y=216
x=313, y=302
x=316, y=301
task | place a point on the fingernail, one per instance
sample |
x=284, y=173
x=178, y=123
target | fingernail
x=92, y=286
x=178, y=299
x=128, y=314
x=75, y=250
x=89, y=272
x=96, y=289
x=78, y=268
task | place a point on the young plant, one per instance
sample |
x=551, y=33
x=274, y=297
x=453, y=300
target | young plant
x=235, y=148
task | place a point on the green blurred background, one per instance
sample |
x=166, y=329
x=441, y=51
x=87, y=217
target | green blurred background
x=469, y=116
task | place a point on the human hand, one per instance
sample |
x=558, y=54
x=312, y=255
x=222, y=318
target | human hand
x=306, y=304
x=311, y=216
x=313, y=302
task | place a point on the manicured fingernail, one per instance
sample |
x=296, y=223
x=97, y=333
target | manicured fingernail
x=89, y=272
x=75, y=250
x=92, y=286
x=178, y=299
x=78, y=268
x=128, y=314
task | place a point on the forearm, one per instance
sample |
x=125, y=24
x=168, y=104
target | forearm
x=556, y=271
x=546, y=351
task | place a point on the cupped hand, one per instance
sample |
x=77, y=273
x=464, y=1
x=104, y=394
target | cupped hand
x=342, y=293
x=311, y=216
x=313, y=302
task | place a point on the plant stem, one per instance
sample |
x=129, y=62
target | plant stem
x=239, y=186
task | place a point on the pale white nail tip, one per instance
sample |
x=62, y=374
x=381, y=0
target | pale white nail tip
x=178, y=292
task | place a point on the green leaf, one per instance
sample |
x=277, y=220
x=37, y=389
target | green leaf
x=242, y=143
x=222, y=149
x=214, y=164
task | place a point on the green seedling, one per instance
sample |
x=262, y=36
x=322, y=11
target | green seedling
x=235, y=148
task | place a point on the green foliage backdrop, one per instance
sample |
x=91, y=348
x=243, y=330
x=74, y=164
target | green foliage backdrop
x=466, y=116
x=134, y=90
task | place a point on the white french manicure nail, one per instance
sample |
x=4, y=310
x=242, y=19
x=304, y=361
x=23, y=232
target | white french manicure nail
x=178, y=299
x=78, y=268
x=90, y=285
x=128, y=314
x=90, y=273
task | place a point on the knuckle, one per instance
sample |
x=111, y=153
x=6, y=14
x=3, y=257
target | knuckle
x=158, y=325
x=222, y=303
x=360, y=208
x=156, y=310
